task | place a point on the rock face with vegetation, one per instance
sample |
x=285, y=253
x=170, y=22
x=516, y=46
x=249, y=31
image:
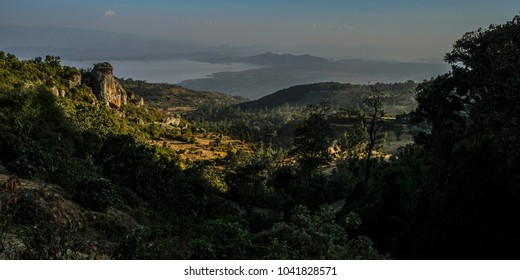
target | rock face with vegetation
x=169, y=96
x=45, y=223
x=106, y=87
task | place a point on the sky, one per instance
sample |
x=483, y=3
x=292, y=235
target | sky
x=399, y=29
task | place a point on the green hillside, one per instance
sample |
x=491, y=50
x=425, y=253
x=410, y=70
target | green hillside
x=399, y=100
x=168, y=96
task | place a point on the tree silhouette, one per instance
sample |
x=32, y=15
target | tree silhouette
x=312, y=141
x=375, y=104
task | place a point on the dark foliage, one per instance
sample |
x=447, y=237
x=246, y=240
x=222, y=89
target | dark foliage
x=455, y=193
x=95, y=193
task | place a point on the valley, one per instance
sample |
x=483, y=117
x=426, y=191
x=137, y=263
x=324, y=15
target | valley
x=96, y=166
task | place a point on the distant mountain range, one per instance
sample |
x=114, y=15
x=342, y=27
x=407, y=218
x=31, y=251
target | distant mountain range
x=269, y=59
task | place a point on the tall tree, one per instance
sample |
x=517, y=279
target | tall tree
x=312, y=141
x=375, y=113
x=473, y=146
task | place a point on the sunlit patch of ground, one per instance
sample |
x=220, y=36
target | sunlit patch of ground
x=205, y=147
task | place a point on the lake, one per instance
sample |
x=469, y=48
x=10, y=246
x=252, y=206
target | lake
x=171, y=71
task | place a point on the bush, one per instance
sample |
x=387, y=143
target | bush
x=220, y=239
x=95, y=194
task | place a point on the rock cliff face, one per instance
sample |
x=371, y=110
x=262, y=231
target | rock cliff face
x=74, y=81
x=105, y=86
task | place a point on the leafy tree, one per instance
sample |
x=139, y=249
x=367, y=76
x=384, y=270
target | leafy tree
x=251, y=175
x=314, y=236
x=220, y=239
x=472, y=145
x=311, y=143
x=353, y=143
x=153, y=177
x=313, y=138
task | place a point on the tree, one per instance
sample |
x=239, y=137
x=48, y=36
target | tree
x=312, y=140
x=472, y=148
x=477, y=102
x=487, y=70
x=375, y=105
x=353, y=142
x=315, y=236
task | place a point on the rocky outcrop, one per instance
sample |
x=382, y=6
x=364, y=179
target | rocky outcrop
x=105, y=86
x=74, y=81
x=135, y=99
x=57, y=92
x=44, y=222
x=174, y=120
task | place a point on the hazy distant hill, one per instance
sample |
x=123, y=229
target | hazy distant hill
x=400, y=96
x=285, y=59
x=269, y=59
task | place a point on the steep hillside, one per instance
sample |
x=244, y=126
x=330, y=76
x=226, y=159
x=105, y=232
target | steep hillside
x=174, y=97
x=399, y=96
x=102, y=177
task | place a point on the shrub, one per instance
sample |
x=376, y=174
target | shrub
x=95, y=194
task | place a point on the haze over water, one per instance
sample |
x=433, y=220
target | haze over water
x=170, y=71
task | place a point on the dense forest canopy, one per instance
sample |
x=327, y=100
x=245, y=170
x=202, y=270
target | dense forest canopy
x=308, y=182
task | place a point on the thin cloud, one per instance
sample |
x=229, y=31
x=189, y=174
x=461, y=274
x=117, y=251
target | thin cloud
x=109, y=13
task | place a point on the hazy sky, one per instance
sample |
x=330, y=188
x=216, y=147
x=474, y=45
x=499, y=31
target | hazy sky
x=394, y=29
